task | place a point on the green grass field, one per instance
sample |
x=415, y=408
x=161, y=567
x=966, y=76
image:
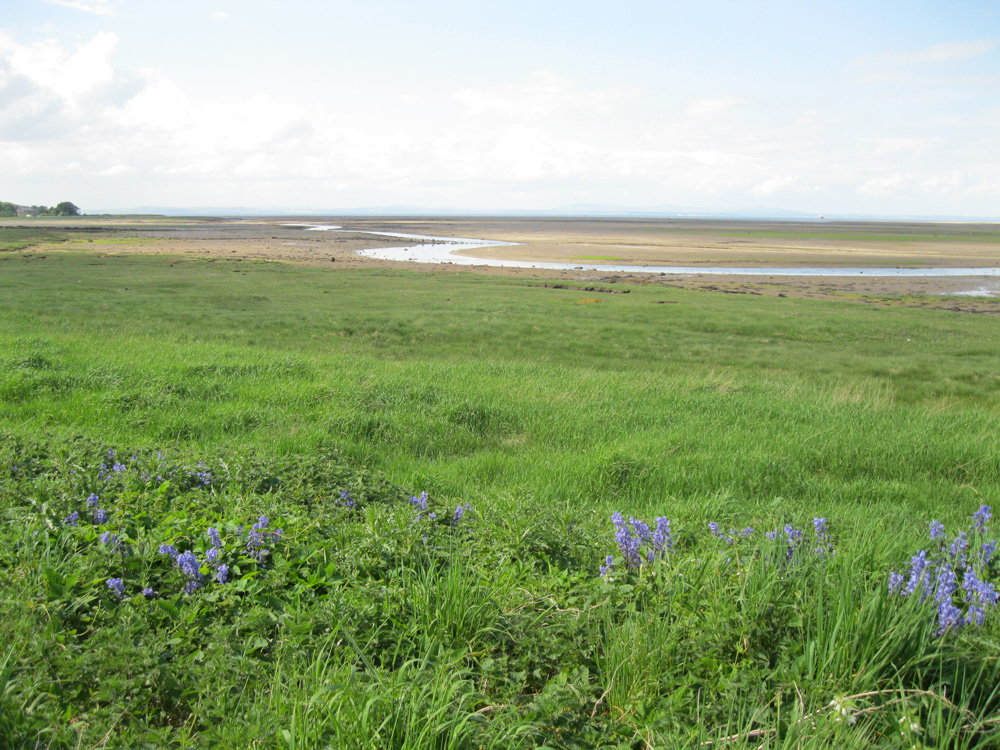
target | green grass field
x=214, y=393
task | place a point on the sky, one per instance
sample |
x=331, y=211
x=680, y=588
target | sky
x=869, y=107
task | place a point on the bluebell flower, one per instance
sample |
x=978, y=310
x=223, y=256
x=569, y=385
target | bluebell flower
x=419, y=502
x=100, y=516
x=946, y=584
x=212, y=555
x=222, y=575
x=717, y=532
x=117, y=585
x=986, y=552
x=980, y=518
x=662, y=541
x=627, y=543
x=919, y=575
x=747, y=531
x=92, y=500
x=108, y=538
x=949, y=617
x=641, y=529
x=188, y=563
x=148, y=593
x=72, y=519
x=793, y=536
x=937, y=530
x=979, y=594
x=169, y=549
x=213, y=534
x=191, y=586
x=256, y=538
x=957, y=549
x=609, y=566
x=824, y=546
x=896, y=581
x=118, y=468
x=459, y=513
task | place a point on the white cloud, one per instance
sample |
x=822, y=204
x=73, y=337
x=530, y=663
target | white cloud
x=222, y=16
x=544, y=93
x=936, y=53
x=160, y=105
x=947, y=51
x=939, y=184
x=882, y=186
x=900, y=144
x=68, y=76
x=69, y=111
x=98, y=7
x=773, y=185
x=713, y=108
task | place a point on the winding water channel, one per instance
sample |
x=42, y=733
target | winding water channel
x=442, y=250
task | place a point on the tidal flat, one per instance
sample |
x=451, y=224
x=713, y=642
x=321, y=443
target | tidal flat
x=763, y=470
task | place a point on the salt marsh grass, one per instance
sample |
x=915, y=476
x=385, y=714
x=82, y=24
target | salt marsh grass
x=322, y=400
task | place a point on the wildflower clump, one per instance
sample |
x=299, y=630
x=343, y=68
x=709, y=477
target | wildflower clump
x=220, y=560
x=954, y=575
x=638, y=544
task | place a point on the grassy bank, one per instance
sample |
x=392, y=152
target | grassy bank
x=544, y=410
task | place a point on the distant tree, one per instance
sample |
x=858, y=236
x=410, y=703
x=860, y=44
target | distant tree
x=7, y=209
x=66, y=209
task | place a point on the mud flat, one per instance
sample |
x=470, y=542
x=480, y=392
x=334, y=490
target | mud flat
x=623, y=243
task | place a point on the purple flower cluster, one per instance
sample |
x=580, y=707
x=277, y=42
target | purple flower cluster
x=794, y=542
x=419, y=503
x=459, y=513
x=202, y=476
x=638, y=543
x=346, y=500
x=189, y=565
x=258, y=536
x=98, y=516
x=731, y=536
x=117, y=587
x=935, y=576
x=824, y=545
x=216, y=563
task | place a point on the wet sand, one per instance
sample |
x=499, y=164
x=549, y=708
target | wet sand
x=688, y=242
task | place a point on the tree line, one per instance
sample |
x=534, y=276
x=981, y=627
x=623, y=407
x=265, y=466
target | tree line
x=60, y=209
